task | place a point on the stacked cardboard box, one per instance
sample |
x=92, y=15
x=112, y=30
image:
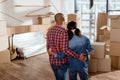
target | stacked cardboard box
x=4, y=53
x=103, y=31
x=115, y=41
x=101, y=21
x=98, y=61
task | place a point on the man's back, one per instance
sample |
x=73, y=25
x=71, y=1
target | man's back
x=55, y=40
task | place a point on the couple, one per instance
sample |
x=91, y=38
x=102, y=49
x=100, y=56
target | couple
x=68, y=50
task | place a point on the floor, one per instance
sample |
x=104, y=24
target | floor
x=38, y=68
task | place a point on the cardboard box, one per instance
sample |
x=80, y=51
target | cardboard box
x=3, y=28
x=104, y=65
x=115, y=48
x=99, y=50
x=44, y=20
x=92, y=66
x=18, y=29
x=115, y=21
x=114, y=35
x=4, y=56
x=72, y=17
x=115, y=62
x=101, y=21
x=3, y=42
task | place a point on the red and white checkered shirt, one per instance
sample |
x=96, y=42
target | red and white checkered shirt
x=57, y=40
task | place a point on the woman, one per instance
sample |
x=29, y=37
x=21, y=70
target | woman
x=79, y=44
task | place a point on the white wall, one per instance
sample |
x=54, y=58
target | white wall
x=16, y=15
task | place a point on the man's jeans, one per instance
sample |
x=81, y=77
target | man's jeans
x=60, y=71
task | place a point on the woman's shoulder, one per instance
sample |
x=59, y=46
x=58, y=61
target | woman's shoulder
x=84, y=37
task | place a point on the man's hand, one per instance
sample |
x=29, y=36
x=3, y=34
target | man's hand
x=82, y=57
x=50, y=52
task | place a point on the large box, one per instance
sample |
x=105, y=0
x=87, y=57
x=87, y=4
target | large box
x=4, y=56
x=114, y=35
x=115, y=48
x=104, y=65
x=92, y=66
x=3, y=28
x=115, y=21
x=3, y=42
x=101, y=21
x=99, y=50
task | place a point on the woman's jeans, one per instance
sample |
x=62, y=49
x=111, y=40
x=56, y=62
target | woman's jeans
x=82, y=74
x=60, y=71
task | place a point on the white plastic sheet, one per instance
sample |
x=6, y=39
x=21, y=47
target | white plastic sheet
x=30, y=44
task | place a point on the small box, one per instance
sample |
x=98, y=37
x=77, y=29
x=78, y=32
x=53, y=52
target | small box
x=92, y=66
x=3, y=42
x=44, y=20
x=4, y=56
x=72, y=17
x=113, y=35
x=3, y=28
x=99, y=50
x=104, y=65
x=115, y=48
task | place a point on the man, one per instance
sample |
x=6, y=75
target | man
x=57, y=40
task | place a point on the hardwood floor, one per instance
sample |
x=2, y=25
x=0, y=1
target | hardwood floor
x=34, y=68
x=38, y=68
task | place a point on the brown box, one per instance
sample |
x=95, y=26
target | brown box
x=114, y=35
x=3, y=28
x=72, y=17
x=44, y=20
x=115, y=21
x=115, y=62
x=99, y=50
x=115, y=48
x=104, y=65
x=17, y=29
x=3, y=42
x=4, y=56
x=92, y=66
x=101, y=21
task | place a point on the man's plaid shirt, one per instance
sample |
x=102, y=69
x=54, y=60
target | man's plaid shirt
x=57, y=40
